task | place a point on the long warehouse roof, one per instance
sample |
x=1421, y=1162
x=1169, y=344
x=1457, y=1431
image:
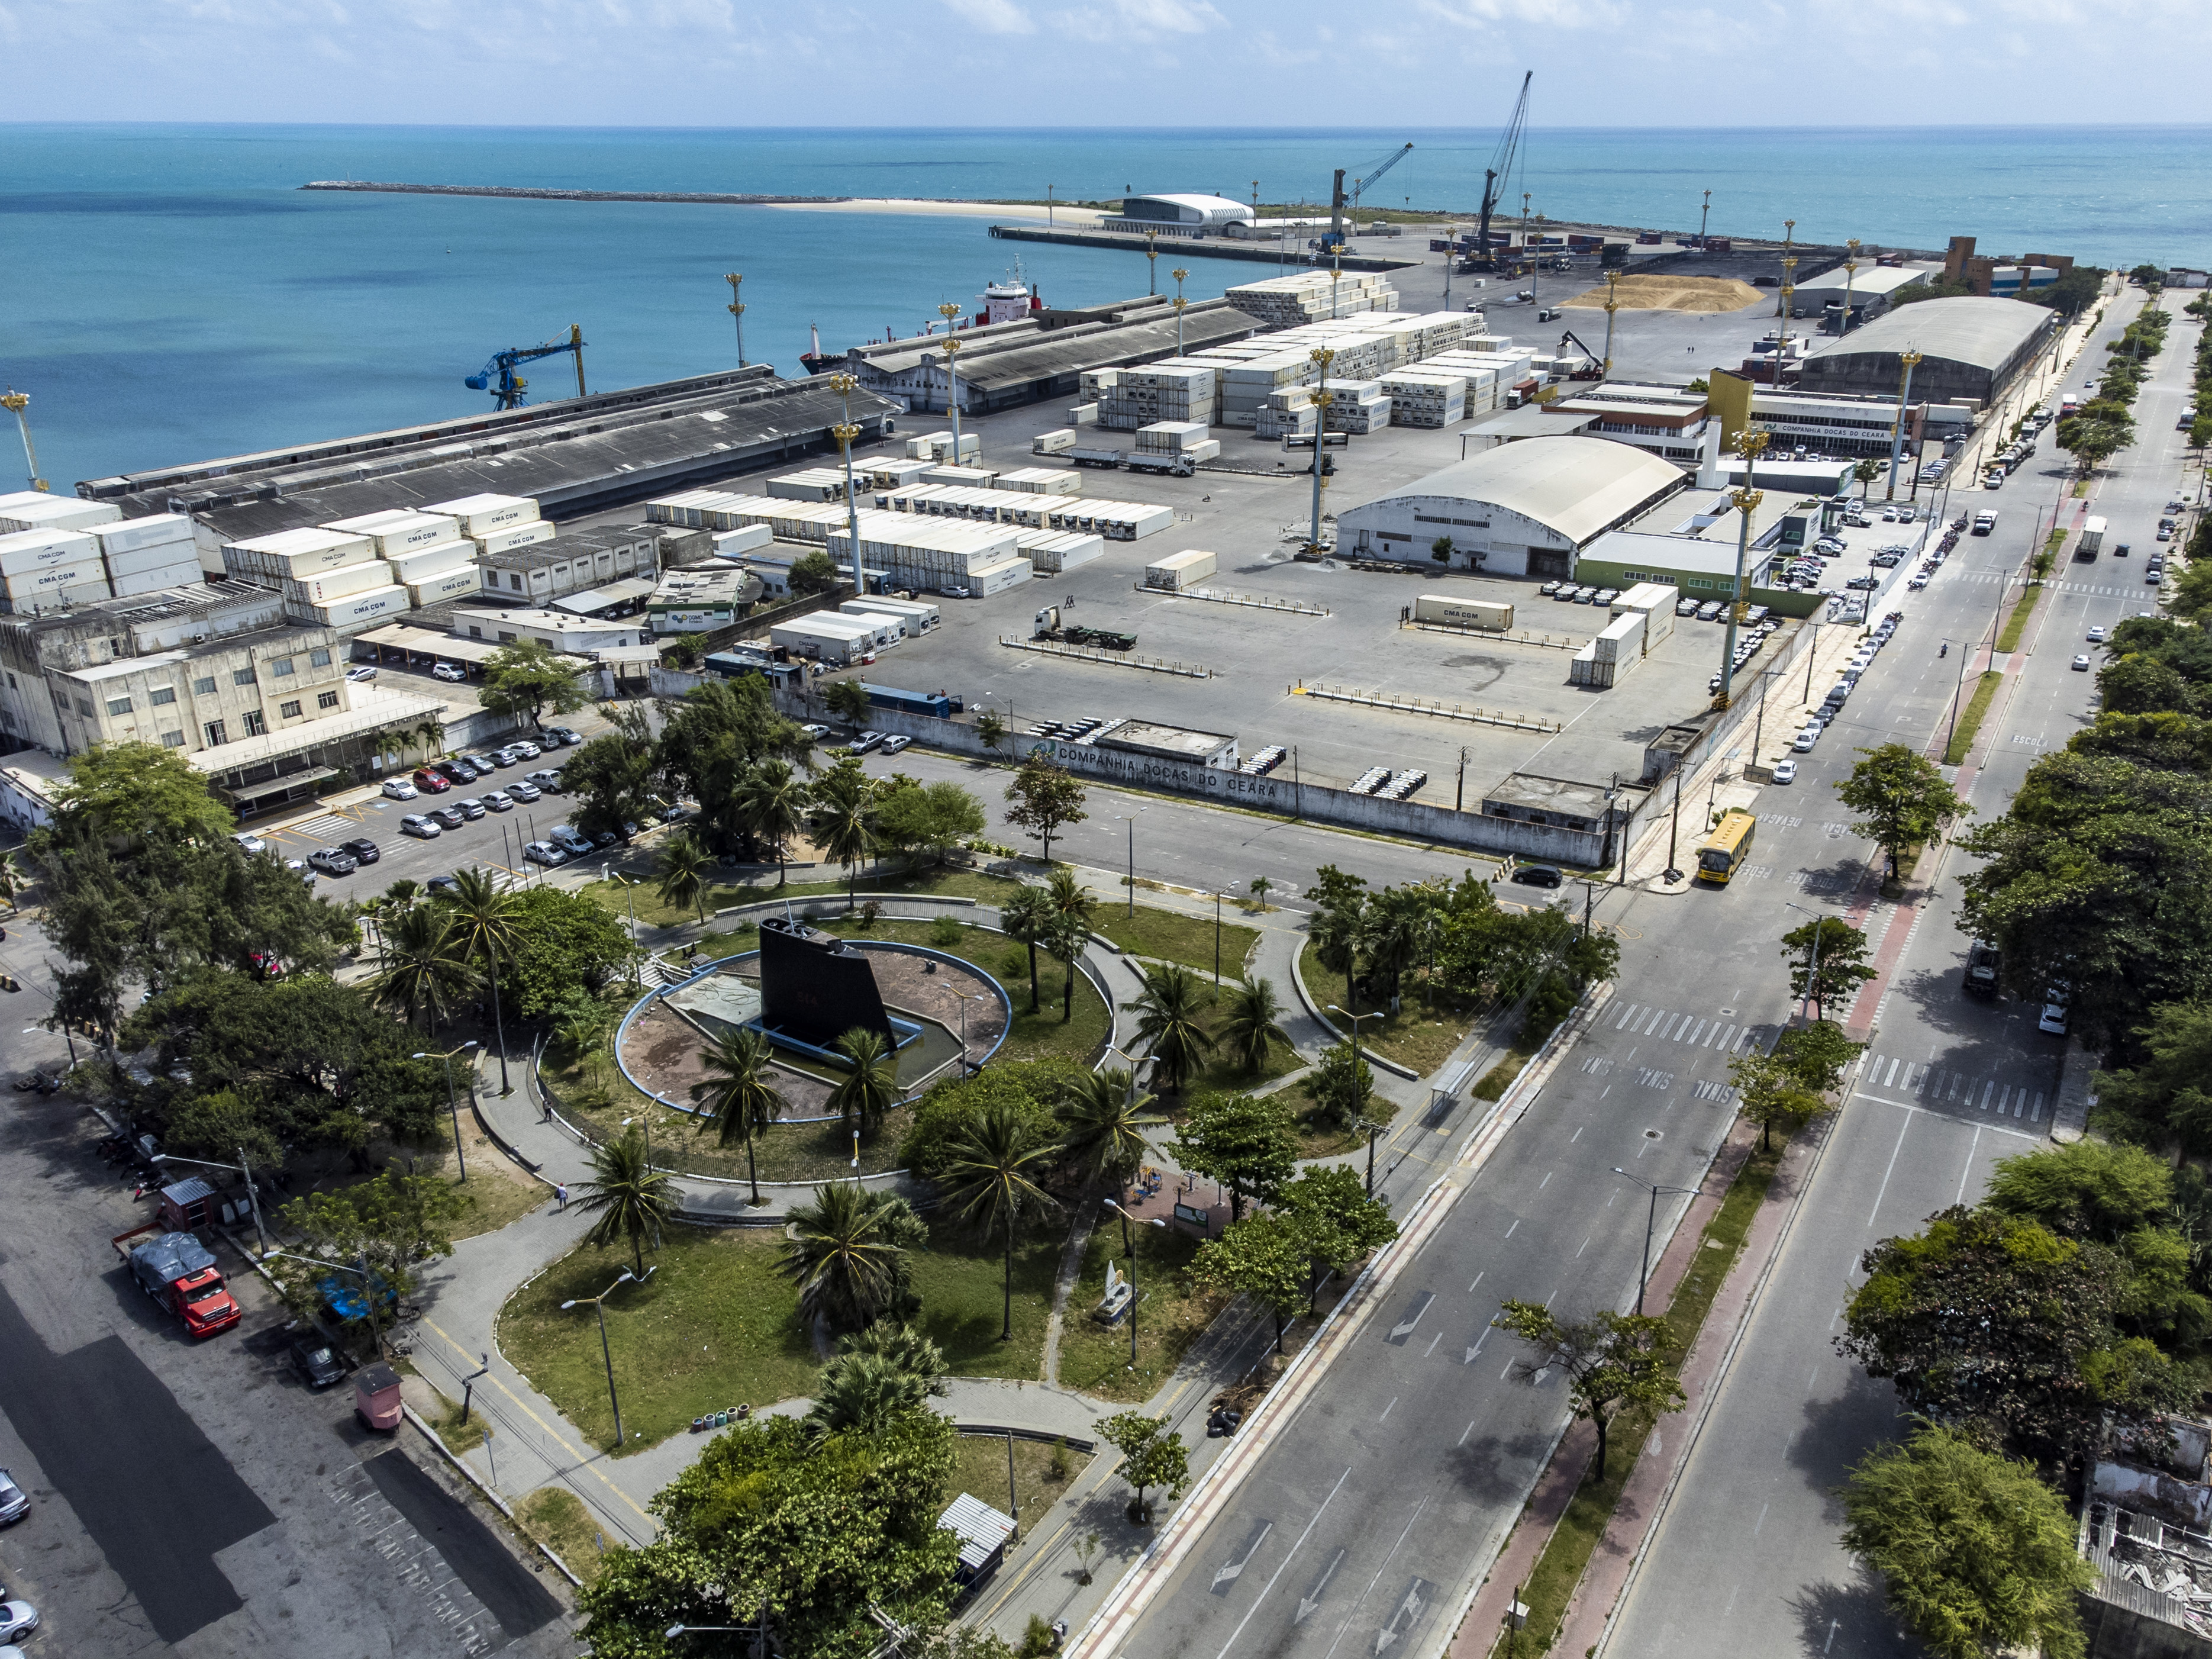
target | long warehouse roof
x=1576, y=486
x=1983, y=333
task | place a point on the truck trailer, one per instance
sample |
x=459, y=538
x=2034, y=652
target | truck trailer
x=179, y=1272
x=1050, y=627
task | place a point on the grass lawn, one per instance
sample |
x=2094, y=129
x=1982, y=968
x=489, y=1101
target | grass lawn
x=964, y=884
x=1042, y=1473
x=1971, y=717
x=2016, y=623
x=1173, y=937
x=1498, y=1079
x=1416, y=1037
x=1321, y=1139
x=716, y=1326
x=960, y=1280
x=1559, y=1569
x=496, y=1193
x=556, y=1518
x=1171, y=1315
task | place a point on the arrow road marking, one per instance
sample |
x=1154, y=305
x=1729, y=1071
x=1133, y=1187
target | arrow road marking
x=1378, y=1578
x=1408, y=1614
x=1277, y=1573
x=1398, y=1333
x=1311, y=1599
x=1229, y=1574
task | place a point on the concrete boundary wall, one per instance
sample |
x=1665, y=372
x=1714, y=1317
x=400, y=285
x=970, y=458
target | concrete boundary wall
x=1581, y=849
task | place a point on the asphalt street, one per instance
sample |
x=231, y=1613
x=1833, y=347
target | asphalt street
x=1746, y=1555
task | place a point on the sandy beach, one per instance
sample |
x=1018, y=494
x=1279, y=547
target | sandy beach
x=1019, y=213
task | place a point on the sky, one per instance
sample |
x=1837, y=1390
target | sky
x=1104, y=63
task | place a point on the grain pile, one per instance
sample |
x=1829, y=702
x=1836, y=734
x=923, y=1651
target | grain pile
x=1661, y=292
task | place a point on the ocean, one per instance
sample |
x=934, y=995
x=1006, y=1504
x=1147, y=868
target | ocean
x=174, y=297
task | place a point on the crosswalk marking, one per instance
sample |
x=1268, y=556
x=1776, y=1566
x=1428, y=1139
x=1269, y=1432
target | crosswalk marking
x=326, y=827
x=1930, y=1082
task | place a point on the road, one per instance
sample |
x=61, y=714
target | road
x=1747, y=1558
x=1378, y=1508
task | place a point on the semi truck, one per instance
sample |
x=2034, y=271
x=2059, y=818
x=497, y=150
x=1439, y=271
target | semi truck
x=2093, y=540
x=179, y=1272
x=1049, y=626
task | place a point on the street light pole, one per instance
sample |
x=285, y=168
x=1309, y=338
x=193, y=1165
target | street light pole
x=452, y=1100
x=598, y=1306
x=1651, y=1222
x=1130, y=818
x=1179, y=273
x=1673, y=825
x=1129, y=1248
x=738, y=311
x=1813, y=973
x=1322, y=356
x=1357, y=1066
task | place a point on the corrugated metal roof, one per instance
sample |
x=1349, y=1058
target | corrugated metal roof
x=1576, y=487
x=1981, y=333
x=982, y=1530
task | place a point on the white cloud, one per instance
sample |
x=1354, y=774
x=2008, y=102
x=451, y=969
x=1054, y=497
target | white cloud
x=1140, y=21
x=1554, y=14
x=995, y=16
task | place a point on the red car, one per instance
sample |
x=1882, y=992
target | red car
x=432, y=783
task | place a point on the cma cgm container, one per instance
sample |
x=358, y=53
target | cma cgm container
x=479, y=515
x=1455, y=612
x=1179, y=570
x=395, y=533
x=292, y=555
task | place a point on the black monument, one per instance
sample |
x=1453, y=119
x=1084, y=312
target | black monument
x=814, y=988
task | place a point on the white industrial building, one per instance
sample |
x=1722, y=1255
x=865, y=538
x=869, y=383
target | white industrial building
x=1522, y=509
x=1176, y=215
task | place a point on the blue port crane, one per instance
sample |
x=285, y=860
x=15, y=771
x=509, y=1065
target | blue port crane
x=498, y=376
x=1333, y=241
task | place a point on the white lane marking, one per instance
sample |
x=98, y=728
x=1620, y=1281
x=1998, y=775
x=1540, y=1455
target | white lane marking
x=1235, y=1570
x=1465, y=1433
x=1907, y=1106
x=1966, y=1169
x=1377, y=1579
x=1573, y=1138
x=1886, y=1174
x=1697, y=1032
x=1514, y=1228
x=1586, y=1244
x=1547, y=1181
x=1761, y=1522
x=1388, y=1409
x=1277, y=1573
x=1431, y=1348
x=1478, y=1279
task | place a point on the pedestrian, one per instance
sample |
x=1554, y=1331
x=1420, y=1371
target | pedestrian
x=561, y=1194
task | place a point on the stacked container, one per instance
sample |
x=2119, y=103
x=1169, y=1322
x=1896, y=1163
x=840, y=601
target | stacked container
x=1173, y=390
x=1286, y=302
x=939, y=446
x=479, y=515
x=1053, y=552
x=34, y=509
x=1289, y=412
x=1358, y=407
x=44, y=569
x=1180, y=571
x=1044, y=481
x=814, y=483
x=1655, y=602
x=886, y=474
x=1117, y=521
x=971, y=478
x=143, y=555
x=1425, y=397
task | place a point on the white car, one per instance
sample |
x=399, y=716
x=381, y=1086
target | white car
x=817, y=733
x=524, y=748
x=2053, y=1021
x=362, y=673
x=249, y=843
x=1805, y=740
x=2096, y=636
x=2082, y=664
x=893, y=745
x=449, y=671
x=1785, y=771
x=17, y=1619
x=499, y=801
x=399, y=789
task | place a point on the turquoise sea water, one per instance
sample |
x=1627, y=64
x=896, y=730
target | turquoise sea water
x=172, y=295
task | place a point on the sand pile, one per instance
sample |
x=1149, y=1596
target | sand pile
x=1661, y=292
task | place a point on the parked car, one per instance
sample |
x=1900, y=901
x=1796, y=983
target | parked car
x=1785, y=771
x=399, y=789
x=361, y=674
x=2053, y=1022
x=569, y=839
x=432, y=783
x=545, y=852
x=315, y=1361
x=549, y=780
x=455, y=771
x=364, y=850
x=568, y=736
x=864, y=742
x=17, y=1620
x=499, y=801
x=523, y=750
x=416, y=824
x=523, y=790
x=249, y=843
x=817, y=733
x=893, y=745
x=14, y=1501
x=1538, y=875
x=471, y=809
x=485, y=764
x=447, y=818
x=1804, y=741
x=442, y=886
x=333, y=861
x=449, y=671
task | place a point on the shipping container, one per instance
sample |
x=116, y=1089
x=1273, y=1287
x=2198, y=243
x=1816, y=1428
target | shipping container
x=921, y=613
x=1457, y=612
x=824, y=637
x=131, y=534
x=24, y=552
x=733, y=544
x=293, y=555
x=1622, y=641
x=452, y=584
x=393, y=533
x=1653, y=601
x=47, y=584
x=44, y=511
x=331, y=586
x=987, y=580
x=354, y=612
x=815, y=484
x=508, y=537
x=152, y=556
x=1180, y=570
x=1052, y=443
x=185, y=573
x=934, y=705
x=418, y=564
x=479, y=515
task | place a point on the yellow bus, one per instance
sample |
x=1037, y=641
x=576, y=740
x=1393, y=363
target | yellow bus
x=1727, y=848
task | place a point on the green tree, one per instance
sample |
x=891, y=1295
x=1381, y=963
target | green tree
x=1168, y=1021
x=612, y=780
x=1066, y=941
x=1336, y=1221
x=843, y=820
x=2093, y=439
x=1611, y=1362
x=1843, y=965
x=1995, y=1317
x=1339, y=926
x=1245, y=1142
x=865, y=1392
x=738, y=1097
x=1440, y=549
x=1254, y=1023
x=394, y=1223
x=814, y=573
x=567, y=945
x=772, y=1522
x=1817, y=1054
x=990, y=729
x=1341, y=1085
x=937, y=815
x=847, y=1251
x=2163, y=1098
x=1069, y=896
x=1033, y=1088
x=1027, y=918
x=133, y=798
x=487, y=920
x=990, y=1177
x=1043, y=799
x=868, y=1091
x=1866, y=470
x=630, y=1198
x=683, y=866
x=1912, y=293
x=529, y=678
x=1901, y=798
x=1101, y=1126
x=1153, y=1455
x=770, y=805
x=1978, y=1554
x=1264, y=1256
x=1769, y=1091
x=425, y=973
x=848, y=700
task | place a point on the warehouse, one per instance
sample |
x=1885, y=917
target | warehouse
x=1176, y=215
x=1523, y=509
x=1970, y=349
x=1870, y=289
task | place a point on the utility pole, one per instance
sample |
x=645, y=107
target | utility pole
x=1851, y=270
x=1910, y=359
x=1322, y=356
x=1612, y=304
x=948, y=311
x=738, y=311
x=844, y=432
x=1747, y=500
x=1152, y=262
x=1703, y=213
x=1179, y=273
x=15, y=403
x=1674, y=874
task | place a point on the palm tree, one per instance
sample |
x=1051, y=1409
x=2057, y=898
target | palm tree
x=903, y=1346
x=863, y=1393
x=630, y=1197
x=401, y=894
x=1026, y=917
x=771, y=804
x=683, y=866
x=865, y=1095
x=1339, y=935
x=488, y=920
x=847, y=1251
x=1261, y=888
x=740, y=1100
x=425, y=970
x=11, y=879
x=844, y=824
x=1253, y=1023
x=1099, y=1133
x=1167, y=1018
x=987, y=1178
x=1066, y=941
x=1067, y=896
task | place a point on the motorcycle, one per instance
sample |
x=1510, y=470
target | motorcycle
x=1946, y=651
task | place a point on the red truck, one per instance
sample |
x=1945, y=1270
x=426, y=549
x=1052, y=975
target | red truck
x=179, y=1272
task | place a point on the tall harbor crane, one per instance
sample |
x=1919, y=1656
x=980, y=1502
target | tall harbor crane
x=1499, y=170
x=498, y=376
x=1334, y=241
